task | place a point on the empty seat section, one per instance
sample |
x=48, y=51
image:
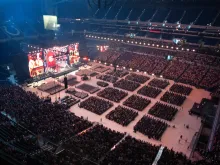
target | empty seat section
x=207, y=16
x=175, y=15
x=123, y=14
x=167, y=37
x=135, y=14
x=112, y=12
x=111, y=30
x=122, y=32
x=190, y=16
x=160, y=15
x=211, y=41
x=101, y=13
x=141, y=33
x=192, y=39
x=153, y=35
x=147, y=14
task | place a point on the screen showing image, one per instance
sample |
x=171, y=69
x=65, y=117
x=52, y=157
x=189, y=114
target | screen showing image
x=50, y=22
x=35, y=64
x=50, y=60
x=73, y=53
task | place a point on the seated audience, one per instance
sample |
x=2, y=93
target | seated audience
x=151, y=127
x=112, y=94
x=159, y=83
x=181, y=89
x=96, y=105
x=137, y=102
x=163, y=111
x=126, y=85
x=122, y=115
x=149, y=91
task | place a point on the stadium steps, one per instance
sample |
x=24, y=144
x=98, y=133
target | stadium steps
x=182, y=15
x=154, y=15
x=198, y=17
x=213, y=22
x=204, y=76
x=165, y=19
x=141, y=15
x=107, y=13
x=116, y=16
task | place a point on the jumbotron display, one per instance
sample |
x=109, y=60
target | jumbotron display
x=35, y=64
x=50, y=22
x=55, y=59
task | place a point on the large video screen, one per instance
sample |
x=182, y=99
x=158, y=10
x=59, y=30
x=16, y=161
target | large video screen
x=50, y=22
x=35, y=64
x=50, y=60
x=73, y=53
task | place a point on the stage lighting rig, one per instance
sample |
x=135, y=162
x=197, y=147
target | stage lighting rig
x=100, y=3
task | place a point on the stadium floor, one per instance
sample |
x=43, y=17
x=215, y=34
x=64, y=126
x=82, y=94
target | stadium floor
x=171, y=136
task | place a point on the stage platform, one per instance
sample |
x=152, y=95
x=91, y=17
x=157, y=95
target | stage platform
x=76, y=93
x=88, y=88
x=51, y=87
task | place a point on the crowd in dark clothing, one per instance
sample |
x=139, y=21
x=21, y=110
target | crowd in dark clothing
x=35, y=114
x=107, y=77
x=169, y=157
x=181, y=89
x=118, y=73
x=186, y=67
x=163, y=111
x=94, y=143
x=159, y=83
x=112, y=94
x=131, y=152
x=175, y=70
x=151, y=127
x=86, y=144
x=149, y=91
x=137, y=78
x=193, y=75
x=122, y=115
x=173, y=98
x=96, y=105
x=126, y=85
x=137, y=102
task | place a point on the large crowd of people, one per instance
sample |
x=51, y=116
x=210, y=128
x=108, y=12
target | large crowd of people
x=94, y=143
x=112, y=94
x=96, y=105
x=175, y=70
x=149, y=91
x=137, y=78
x=151, y=127
x=131, y=152
x=193, y=74
x=159, y=83
x=137, y=102
x=163, y=111
x=173, y=98
x=181, y=89
x=186, y=67
x=118, y=73
x=122, y=115
x=35, y=114
x=126, y=85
